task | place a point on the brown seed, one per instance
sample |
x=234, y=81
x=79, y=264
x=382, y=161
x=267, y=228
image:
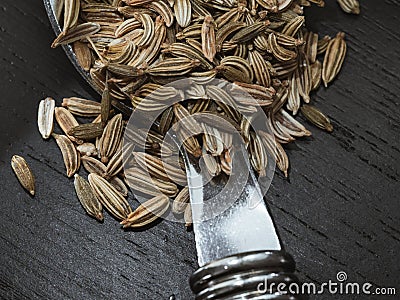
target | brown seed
x=350, y=6
x=140, y=181
x=87, y=198
x=87, y=131
x=260, y=68
x=82, y=107
x=164, y=10
x=323, y=44
x=185, y=120
x=276, y=150
x=71, y=13
x=226, y=162
x=293, y=100
x=181, y=200
x=83, y=55
x=316, y=71
x=71, y=157
x=249, y=32
x=235, y=68
x=279, y=52
x=316, y=117
x=304, y=78
x=148, y=29
x=160, y=169
x=23, y=173
x=66, y=121
x=119, y=185
x=147, y=212
x=77, y=33
x=109, y=197
x=311, y=39
x=115, y=165
x=293, y=26
x=211, y=163
x=105, y=103
x=183, y=12
x=188, y=51
x=212, y=141
x=334, y=57
x=190, y=143
x=176, y=66
x=93, y=165
x=258, y=155
x=208, y=38
x=320, y=3
x=111, y=138
x=224, y=100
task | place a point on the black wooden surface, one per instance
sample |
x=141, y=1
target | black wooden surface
x=338, y=212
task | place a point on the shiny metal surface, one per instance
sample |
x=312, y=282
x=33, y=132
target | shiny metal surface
x=245, y=223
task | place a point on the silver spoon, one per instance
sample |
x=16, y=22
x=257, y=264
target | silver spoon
x=239, y=251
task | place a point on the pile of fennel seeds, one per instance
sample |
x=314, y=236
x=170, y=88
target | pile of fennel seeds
x=132, y=48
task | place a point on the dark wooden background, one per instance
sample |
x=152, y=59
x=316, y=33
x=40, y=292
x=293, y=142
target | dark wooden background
x=338, y=212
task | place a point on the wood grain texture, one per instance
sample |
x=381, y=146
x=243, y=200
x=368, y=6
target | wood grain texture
x=339, y=211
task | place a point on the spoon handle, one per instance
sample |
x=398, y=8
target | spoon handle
x=252, y=275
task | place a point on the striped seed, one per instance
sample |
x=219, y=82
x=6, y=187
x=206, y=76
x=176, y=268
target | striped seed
x=140, y=181
x=181, y=201
x=334, y=57
x=83, y=55
x=87, y=131
x=111, y=138
x=147, y=212
x=109, y=197
x=23, y=173
x=208, y=38
x=77, y=33
x=70, y=155
x=350, y=6
x=160, y=169
x=45, y=117
x=183, y=12
x=316, y=117
x=93, y=165
x=87, y=198
x=81, y=107
x=66, y=121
